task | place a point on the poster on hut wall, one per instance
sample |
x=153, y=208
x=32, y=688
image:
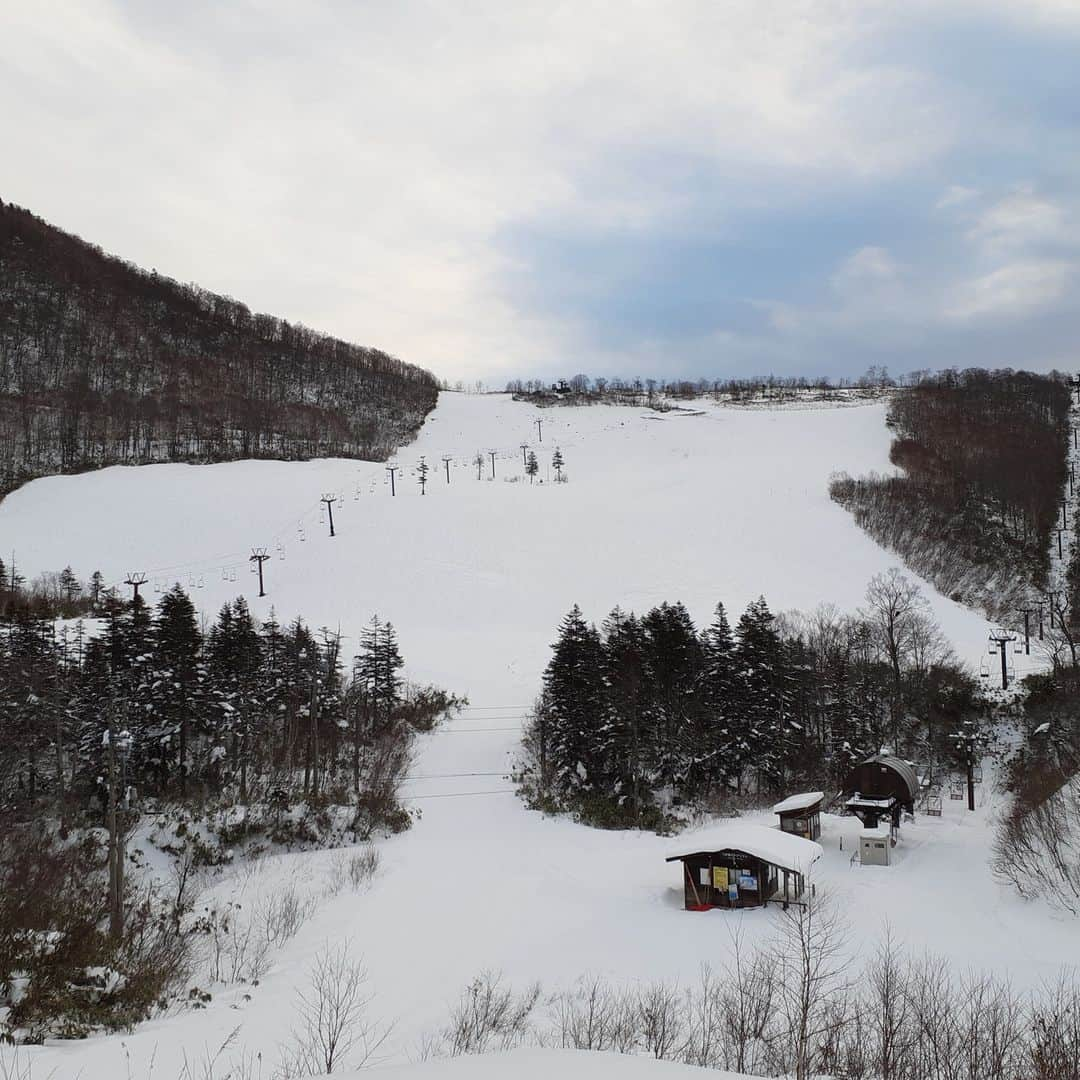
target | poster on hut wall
x=720, y=877
x=703, y=876
x=747, y=881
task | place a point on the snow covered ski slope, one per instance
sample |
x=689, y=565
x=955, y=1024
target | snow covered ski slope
x=721, y=504
x=476, y=574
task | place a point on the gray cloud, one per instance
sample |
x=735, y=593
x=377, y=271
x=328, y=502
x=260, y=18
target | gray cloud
x=423, y=176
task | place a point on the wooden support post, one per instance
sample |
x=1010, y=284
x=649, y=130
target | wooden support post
x=693, y=886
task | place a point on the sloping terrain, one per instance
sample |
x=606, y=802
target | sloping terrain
x=717, y=504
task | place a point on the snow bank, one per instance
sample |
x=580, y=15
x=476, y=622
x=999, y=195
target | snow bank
x=543, y=1065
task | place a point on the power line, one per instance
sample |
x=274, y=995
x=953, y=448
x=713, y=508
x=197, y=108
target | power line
x=460, y=794
x=451, y=775
x=472, y=731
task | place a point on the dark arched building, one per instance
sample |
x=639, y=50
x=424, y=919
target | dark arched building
x=881, y=786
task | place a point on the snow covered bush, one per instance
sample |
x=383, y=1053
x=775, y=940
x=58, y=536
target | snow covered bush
x=61, y=973
x=356, y=869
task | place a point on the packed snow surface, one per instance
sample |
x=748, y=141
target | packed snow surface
x=722, y=505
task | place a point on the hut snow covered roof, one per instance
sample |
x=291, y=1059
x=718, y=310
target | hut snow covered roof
x=770, y=845
x=798, y=802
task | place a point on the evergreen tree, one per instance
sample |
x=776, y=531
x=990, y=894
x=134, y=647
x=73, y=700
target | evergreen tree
x=70, y=587
x=532, y=466
x=845, y=739
x=97, y=588
x=179, y=696
x=623, y=737
x=721, y=754
x=375, y=670
x=557, y=464
x=673, y=661
x=574, y=685
x=760, y=696
x=235, y=658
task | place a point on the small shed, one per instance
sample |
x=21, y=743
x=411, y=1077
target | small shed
x=742, y=865
x=800, y=814
x=881, y=786
x=875, y=845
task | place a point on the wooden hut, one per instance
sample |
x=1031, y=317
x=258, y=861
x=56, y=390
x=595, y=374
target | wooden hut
x=880, y=786
x=800, y=815
x=741, y=865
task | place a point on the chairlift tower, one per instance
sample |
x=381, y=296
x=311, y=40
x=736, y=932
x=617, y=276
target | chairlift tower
x=135, y=580
x=1001, y=637
x=259, y=556
x=328, y=498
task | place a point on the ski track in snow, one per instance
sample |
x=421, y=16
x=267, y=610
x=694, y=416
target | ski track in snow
x=476, y=576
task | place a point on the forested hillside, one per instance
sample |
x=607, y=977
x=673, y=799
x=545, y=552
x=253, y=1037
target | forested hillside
x=102, y=363
x=983, y=455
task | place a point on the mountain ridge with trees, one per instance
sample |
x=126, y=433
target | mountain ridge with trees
x=102, y=363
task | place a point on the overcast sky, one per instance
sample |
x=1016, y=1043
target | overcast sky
x=504, y=189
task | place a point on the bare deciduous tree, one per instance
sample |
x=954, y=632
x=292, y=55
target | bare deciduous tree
x=334, y=1027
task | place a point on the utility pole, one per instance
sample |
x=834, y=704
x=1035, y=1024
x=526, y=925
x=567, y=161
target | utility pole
x=1040, y=609
x=491, y=453
x=539, y=430
x=328, y=498
x=1003, y=637
x=1027, y=613
x=391, y=469
x=1053, y=605
x=119, y=745
x=259, y=556
x=1064, y=522
x=135, y=580
x=446, y=462
x=524, y=447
